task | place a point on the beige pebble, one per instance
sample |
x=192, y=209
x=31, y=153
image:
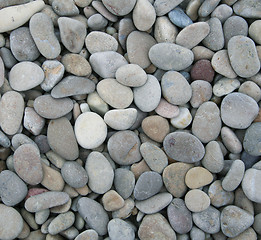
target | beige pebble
x=198, y=177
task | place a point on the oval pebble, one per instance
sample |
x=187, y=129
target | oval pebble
x=202, y=70
x=197, y=177
x=251, y=89
x=126, y=26
x=119, y=229
x=196, y=200
x=201, y=92
x=207, y=7
x=225, y=86
x=230, y=140
x=222, y=12
x=27, y=164
x=89, y=234
x=254, y=28
x=179, y=18
x=99, y=7
x=164, y=6
x=112, y=201
x=183, y=119
x=251, y=141
x=248, y=8
x=167, y=110
x=97, y=22
x=86, y=133
x=119, y=8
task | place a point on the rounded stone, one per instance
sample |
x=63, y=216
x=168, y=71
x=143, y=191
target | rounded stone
x=201, y=52
x=248, y=8
x=123, y=147
x=170, y=56
x=202, y=70
x=119, y=8
x=197, y=177
x=27, y=164
x=179, y=18
x=126, y=210
x=89, y=234
x=183, y=119
x=201, y=92
x=100, y=8
x=65, y=7
x=2, y=72
x=254, y=30
x=112, y=201
x=167, y=110
x=162, y=6
x=251, y=143
x=207, y=7
x=86, y=133
x=222, y=12
x=196, y=200
x=251, y=89
x=60, y=141
x=225, y=86
x=230, y=140
x=126, y=26
x=192, y=151
x=97, y=22
x=74, y=174
x=238, y=110
x=119, y=229
x=100, y=172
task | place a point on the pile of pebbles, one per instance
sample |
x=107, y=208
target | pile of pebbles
x=130, y=119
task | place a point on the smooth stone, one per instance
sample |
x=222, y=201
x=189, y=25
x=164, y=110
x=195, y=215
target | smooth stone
x=89, y=234
x=131, y=75
x=76, y=64
x=74, y=174
x=97, y=22
x=251, y=141
x=256, y=224
x=101, y=63
x=247, y=234
x=7, y=57
x=4, y=140
x=164, y=30
x=94, y=215
x=22, y=82
x=175, y=88
x=183, y=119
x=16, y=16
x=179, y=18
x=221, y=64
x=100, y=173
x=197, y=177
x=22, y=45
x=126, y=26
x=114, y=93
x=207, y=122
x=112, y=201
x=155, y=203
x=225, y=86
x=120, y=119
x=119, y=8
x=147, y=97
x=37, y=234
x=170, y=56
x=162, y=6
x=138, y=46
x=46, y=200
x=72, y=33
x=192, y=35
x=254, y=30
x=12, y=189
x=100, y=8
x=126, y=210
x=207, y=7
x=42, y=216
x=2, y=72
x=197, y=234
x=11, y=222
x=192, y=9
x=179, y=216
x=73, y=85
x=174, y=178
x=155, y=227
x=27, y=164
x=202, y=70
x=53, y=73
x=123, y=147
x=201, y=52
x=235, y=220
x=119, y=229
x=143, y=15
x=238, y=110
x=100, y=42
x=248, y=8
x=246, y=66
x=213, y=160
x=32, y=121
x=243, y=202
x=174, y=146
x=65, y=7
x=167, y=110
x=62, y=142
x=207, y=220
x=222, y=12
x=42, y=30
x=251, y=186
x=218, y=196
x=197, y=200
x=251, y=89
x=86, y=133
x=249, y=160
x=230, y=140
x=20, y=139
x=201, y=92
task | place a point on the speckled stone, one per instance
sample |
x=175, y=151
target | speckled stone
x=167, y=110
x=112, y=201
x=202, y=70
x=225, y=86
x=120, y=229
x=251, y=141
x=97, y=22
x=119, y=8
x=65, y=8
x=207, y=7
x=179, y=18
x=230, y=140
x=222, y=12
x=197, y=200
x=248, y=8
x=201, y=92
x=251, y=89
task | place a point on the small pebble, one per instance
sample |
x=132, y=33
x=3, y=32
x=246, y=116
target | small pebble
x=183, y=119
x=197, y=177
x=119, y=8
x=179, y=18
x=251, y=141
x=224, y=86
x=202, y=70
x=65, y=8
x=230, y=140
x=248, y=8
x=196, y=200
x=207, y=7
x=251, y=89
x=201, y=92
x=112, y=201
x=120, y=229
x=167, y=110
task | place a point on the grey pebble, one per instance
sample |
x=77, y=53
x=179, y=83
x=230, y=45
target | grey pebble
x=119, y=8
x=164, y=6
x=65, y=7
x=207, y=7
x=251, y=141
x=7, y=57
x=4, y=140
x=97, y=22
x=119, y=229
x=248, y=8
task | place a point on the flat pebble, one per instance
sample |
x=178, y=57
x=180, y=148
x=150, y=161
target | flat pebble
x=11, y=222
x=230, y=140
x=175, y=57
x=99, y=7
x=112, y=201
x=96, y=103
x=89, y=234
x=192, y=9
x=251, y=141
x=248, y=8
x=235, y=220
x=162, y=6
x=62, y=142
x=197, y=177
x=155, y=226
x=65, y=8
x=119, y=229
x=202, y=70
x=201, y=92
x=254, y=29
x=2, y=72
x=238, y=110
x=222, y=12
x=167, y=110
x=179, y=18
x=97, y=22
x=7, y=57
x=20, y=139
x=126, y=210
x=12, y=189
x=207, y=7
x=247, y=234
x=183, y=119
x=4, y=140
x=32, y=121
x=119, y=8
x=225, y=86
x=251, y=89
x=196, y=200
x=174, y=146
x=102, y=64
x=201, y=52
x=126, y=26
x=100, y=173
x=94, y=214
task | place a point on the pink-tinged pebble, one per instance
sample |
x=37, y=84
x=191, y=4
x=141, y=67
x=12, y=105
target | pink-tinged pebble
x=202, y=70
x=35, y=191
x=167, y=110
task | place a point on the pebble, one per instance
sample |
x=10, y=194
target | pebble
x=230, y=140
x=138, y=47
x=42, y=30
x=7, y=57
x=225, y=86
x=96, y=103
x=11, y=112
x=147, y=97
x=12, y=189
x=179, y=18
x=53, y=73
x=167, y=110
x=97, y=22
x=201, y=92
x=175, y=57
x=11, y=222
x=100, y=173
x=100, y=42
x=192, y=152
x=248, y=8
x=65, y=8
x=154, y=204
x=238, y=110
x=22, y=45
x=174, y=178
x=94, y=215
x=20, y=139
x=235, y=220
x=120, y=229
x=250, y=184
x=251, y=89
x=251, y=141
x=126, y=210
x=4, y=140
x=162, y=6
x=73, y=85
x=99, y=7
x=123, y=147
x=202, y=70
x=247, y=234
x=246, y=66
x=197, y=177
x=207, y=7
x=89, y=234
x=155, y=226
x=2, y=72
x=42, y=216
x=208, y=220
x=222, y=12
x=254, y=29
x=196, y=233
x=126, y=26
x=102, y=65
x=183, y=119
x=112, y=201
x=243, y=202
x=21, y=82
x=196, y=200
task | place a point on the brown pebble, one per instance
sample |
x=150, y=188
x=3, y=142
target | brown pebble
x=202, y=70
